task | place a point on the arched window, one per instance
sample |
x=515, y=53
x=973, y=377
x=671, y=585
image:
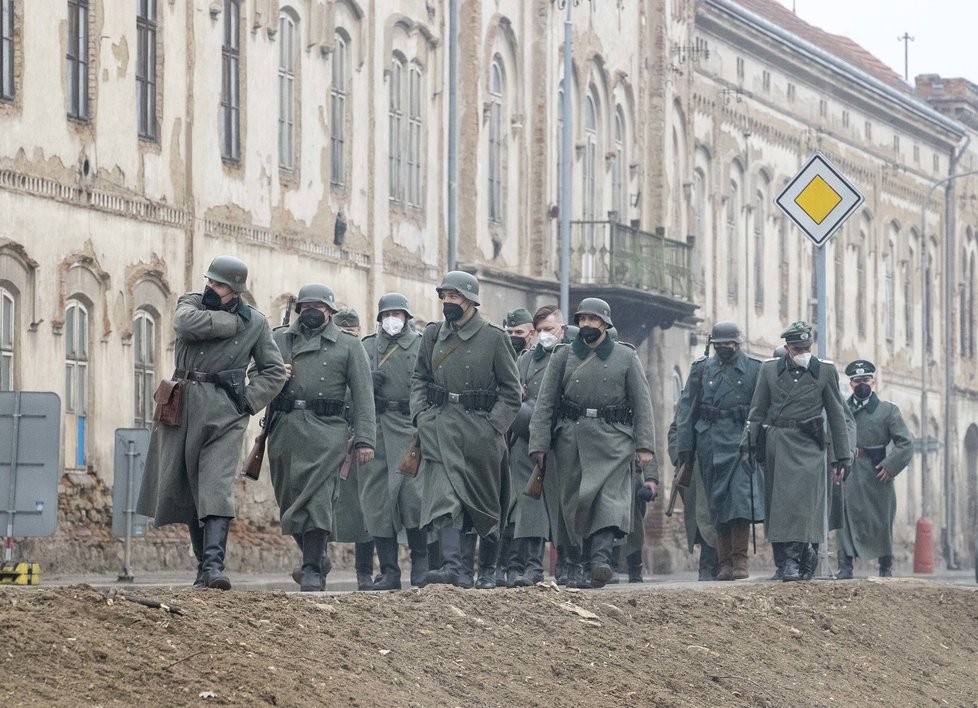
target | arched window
x=929, y=300
x=415, y=92
x=589, y=182
x=76, y=380
x=619, y=171
x=972, y=286
x=699, y=206
x=231, y=81
x=733, y=213
x=760, y=216
x=497, y=88
x=287, y=53
x=908, y=302
x=783, y=276
x=144, y=367
x=337, y=112
x=395, y=115
x=7, y=330
x=861, y=284
x=889, y=294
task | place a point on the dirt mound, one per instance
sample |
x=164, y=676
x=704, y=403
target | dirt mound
x=822, y=643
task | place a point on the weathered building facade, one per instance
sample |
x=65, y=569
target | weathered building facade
x=139, y=140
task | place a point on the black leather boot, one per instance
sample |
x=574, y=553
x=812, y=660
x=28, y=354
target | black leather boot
x=791, y=570
x=418, y=543
x=325, y=563
x=615, y=564
x=809, y=561
x=505, y=548
x=513, y=563
x=602, y=546
x=634, y=560
x=449, y=540
x=197, y=541
x=488, y=555
x=434, y=553
x=215, y=547
x=561, y=566
x=390, y=571
x=364, y=564
x=708, y=562
x=886, y=566
x=466, y=573
x=584, y=577
x=575, y=571
x=845, y=567
x=532, y=562
x=313, y=544
x=777, y=548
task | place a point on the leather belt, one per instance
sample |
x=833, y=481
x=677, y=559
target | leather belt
x=198, y=376
x=868, y=451
x=385, y=406
x=785, y=423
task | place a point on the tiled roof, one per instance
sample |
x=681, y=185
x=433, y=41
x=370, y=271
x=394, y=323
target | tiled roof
x=841, y=47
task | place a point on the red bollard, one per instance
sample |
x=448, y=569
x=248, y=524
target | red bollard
x=923, y=547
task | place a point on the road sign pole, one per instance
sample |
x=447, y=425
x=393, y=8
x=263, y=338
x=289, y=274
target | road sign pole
x=131, y=454
x=8, y=543
x=821, y=317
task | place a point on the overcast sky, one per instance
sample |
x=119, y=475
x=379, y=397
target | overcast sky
x=945, y=31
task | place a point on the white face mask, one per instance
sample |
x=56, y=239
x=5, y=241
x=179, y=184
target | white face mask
x=802, y=359
x=392, y=325
x=547, y=340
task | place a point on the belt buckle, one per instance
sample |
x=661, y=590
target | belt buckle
x=454, y=397
x=300, y=405
x=590, y=412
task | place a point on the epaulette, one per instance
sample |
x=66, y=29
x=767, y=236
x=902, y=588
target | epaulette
x=827, y=361
x=255, y=309
x=774, y=358
x=276, y=329
x=368, y=336
x=754, y=358
x=350, y=334
x=698, y=361
x=625, y=344
x=499, y=327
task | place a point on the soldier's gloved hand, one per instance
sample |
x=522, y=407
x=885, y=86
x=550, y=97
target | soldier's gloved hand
x=685, y=458
x=379, y=377
x=539, y=458
x=648, y=491
x=842, y=470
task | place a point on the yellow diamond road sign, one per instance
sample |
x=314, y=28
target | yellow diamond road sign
x=819, y=199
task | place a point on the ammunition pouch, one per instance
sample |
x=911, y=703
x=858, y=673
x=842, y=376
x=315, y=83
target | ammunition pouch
x=480, y=400
x=712, y=414
x=571, y=410
x=232, y=382
x=385, y=406
x=521, y=424
x=324, y=407
x=812, y=427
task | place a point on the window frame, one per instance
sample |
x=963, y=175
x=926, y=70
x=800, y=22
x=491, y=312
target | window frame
x=733, y=262
x=146, y=79
x=230, y=117
x=288, y=26
x=78, y=60
x=395, y=118
x=497, y=89
x=76, y=312
x=8, y=82
x=415, y=135
x=144, y=367
x=8, y=340
x=338, y=94
x=619, y=170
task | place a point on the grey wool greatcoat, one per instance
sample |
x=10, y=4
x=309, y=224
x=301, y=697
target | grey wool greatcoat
x=716, y=443
x=306, y=450
x=870, y=505
x=528, y=514
x=462, y=450
x=697, y=521
x=391, y=501
x=594, y=457
x=794, y=468
x=191, y=468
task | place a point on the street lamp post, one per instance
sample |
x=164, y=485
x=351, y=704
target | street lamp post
x=565, y=158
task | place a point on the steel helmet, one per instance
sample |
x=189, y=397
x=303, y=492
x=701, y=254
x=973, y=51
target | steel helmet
x=391, y=302
x=464, y=283
x=229, y=270
x=316, y=292
x=594, y=306
x=726, y=331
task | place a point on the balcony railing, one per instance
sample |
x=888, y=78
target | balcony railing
x=608, y=253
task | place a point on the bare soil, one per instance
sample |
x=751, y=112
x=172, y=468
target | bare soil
x=891, y=643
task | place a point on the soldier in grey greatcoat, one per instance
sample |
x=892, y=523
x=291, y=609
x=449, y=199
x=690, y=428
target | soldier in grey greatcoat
x=710, y=418
x=308, y=440
x=391, y=501
x=884, y=449
x=595, y=411
x=191, y=467
x=786, y=430
x=465, y=393
x=697, y=521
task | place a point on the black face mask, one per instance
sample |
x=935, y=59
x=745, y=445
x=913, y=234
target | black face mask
x=725, y=354
x=210, y=299
x=590, y=334
x=312, y=318
x=452, y=311
x=519, y=343
x=862, y=390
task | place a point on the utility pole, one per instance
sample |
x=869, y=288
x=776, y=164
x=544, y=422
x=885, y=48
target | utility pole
x=906, y=39
x=453, y=135
x=567, y=115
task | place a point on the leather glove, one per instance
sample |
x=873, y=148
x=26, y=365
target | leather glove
x=844, y=467
x=379, y=378
x=648, y=492
x=685, y=458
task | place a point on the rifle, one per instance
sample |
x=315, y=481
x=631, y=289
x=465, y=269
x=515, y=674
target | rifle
x=252, y=464
x=347, y=459
x=534, y=485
